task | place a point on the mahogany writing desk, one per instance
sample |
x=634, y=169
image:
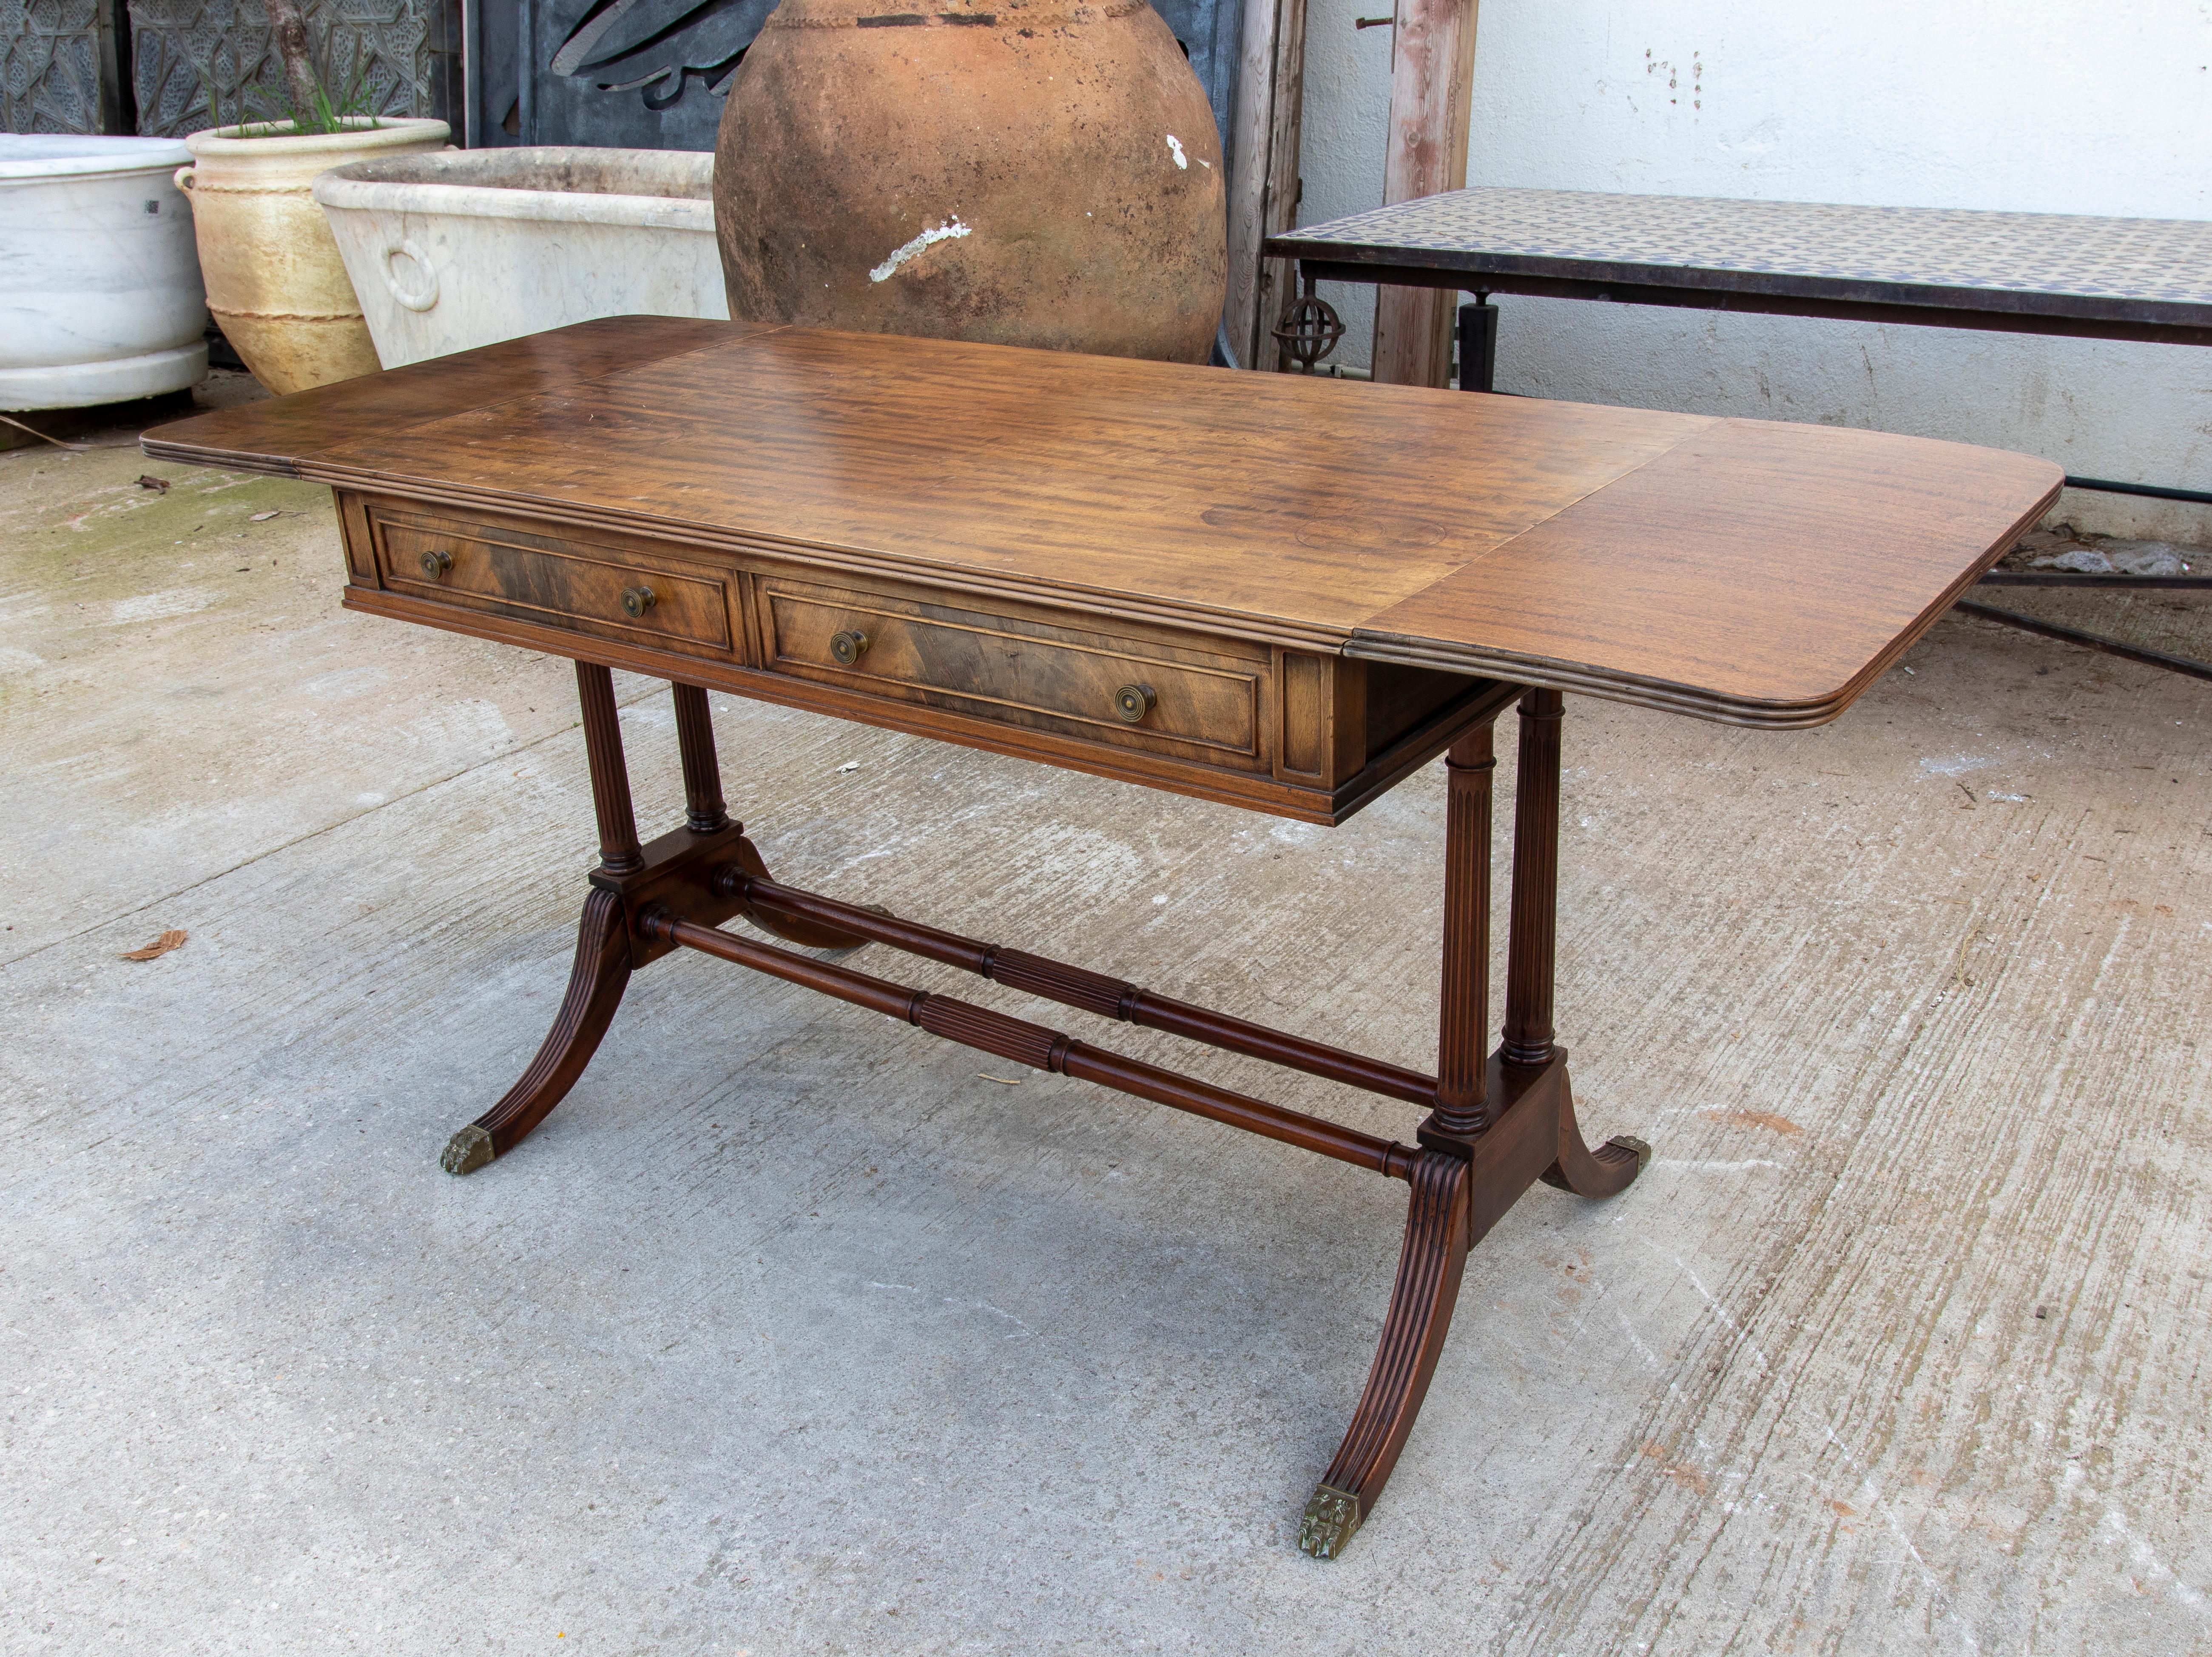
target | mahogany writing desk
x=1282, y=594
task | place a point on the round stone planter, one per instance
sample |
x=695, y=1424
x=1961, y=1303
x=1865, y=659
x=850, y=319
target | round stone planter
x=100, y=287
x=274, y=280
x=467, y=247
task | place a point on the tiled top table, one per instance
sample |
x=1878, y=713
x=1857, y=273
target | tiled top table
x=2037, y=273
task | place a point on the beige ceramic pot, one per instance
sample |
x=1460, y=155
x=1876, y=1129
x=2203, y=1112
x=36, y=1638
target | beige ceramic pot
x=1021, y=171
x=274, y=278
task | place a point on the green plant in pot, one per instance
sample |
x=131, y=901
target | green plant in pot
x=274, y=282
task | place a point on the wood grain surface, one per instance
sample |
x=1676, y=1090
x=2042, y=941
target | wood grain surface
x=1721, y=568
x=273, y=436
x=1272, y=500
x=1734, y=577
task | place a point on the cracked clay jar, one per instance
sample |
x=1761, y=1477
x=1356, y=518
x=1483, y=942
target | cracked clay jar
x=1042, y=174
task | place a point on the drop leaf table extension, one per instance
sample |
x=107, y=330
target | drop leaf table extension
x=1281, y=594
x=2086, y=276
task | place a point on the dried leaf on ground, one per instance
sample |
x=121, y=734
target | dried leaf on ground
x=172, y=939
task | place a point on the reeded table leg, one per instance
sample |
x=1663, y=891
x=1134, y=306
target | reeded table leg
x=1501, y=1122
x=595, y=990
x=1463, y=994
x=602, y=968
x=679, y=867
x=704, y=809
x=1529, y=962
x=1533, y=932
x=1429, y=1267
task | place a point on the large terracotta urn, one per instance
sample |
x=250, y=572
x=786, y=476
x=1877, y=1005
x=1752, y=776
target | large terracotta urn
x=1040, y=173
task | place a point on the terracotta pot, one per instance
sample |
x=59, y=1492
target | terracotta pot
x=274, y=278
x=1043, y=174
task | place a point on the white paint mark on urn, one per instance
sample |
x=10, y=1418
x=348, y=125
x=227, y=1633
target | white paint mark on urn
x=950, y=230
x=1176, y=145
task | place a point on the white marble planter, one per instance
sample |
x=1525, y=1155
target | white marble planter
x=101, y=298
x=467, y=247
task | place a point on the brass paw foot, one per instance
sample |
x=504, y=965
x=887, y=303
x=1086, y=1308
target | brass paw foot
x=1332, y=1518
x=467, y=1151
x=1629, y=1142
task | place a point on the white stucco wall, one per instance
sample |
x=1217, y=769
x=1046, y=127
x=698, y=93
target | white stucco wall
x=2043, y=106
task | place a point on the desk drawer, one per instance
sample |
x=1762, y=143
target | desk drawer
x=1016, y=670
x=534, y=578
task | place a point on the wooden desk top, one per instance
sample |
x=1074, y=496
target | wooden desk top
x=1752, y=571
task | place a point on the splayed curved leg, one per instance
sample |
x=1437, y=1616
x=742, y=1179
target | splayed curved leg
x=1605, y=1172
x=595, y=989
x=1429, y=1268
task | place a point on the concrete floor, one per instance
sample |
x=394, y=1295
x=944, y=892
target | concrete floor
x=1903, y=1344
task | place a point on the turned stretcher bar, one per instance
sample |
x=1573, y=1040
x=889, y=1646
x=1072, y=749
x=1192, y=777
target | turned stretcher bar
x=1021, y=1042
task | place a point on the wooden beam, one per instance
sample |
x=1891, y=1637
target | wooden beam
x=1263, y=173
x=1431, y=81
x=117, y=114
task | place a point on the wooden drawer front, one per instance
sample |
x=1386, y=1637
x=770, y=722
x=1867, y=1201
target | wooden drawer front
x=530, y=577
x=1017, y=670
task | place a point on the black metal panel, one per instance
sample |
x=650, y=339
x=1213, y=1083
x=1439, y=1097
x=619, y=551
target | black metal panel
x=652, y=73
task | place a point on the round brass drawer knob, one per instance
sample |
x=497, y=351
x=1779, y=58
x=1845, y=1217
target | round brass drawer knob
x=637, y=600
x=436, y=563
x=846, y=647
x=1133, y=701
